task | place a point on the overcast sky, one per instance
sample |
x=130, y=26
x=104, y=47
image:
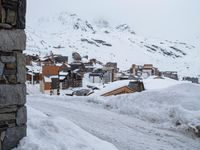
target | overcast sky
x=167, y=19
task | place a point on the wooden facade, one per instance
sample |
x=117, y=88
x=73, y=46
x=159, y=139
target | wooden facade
x=118, y=91
x=37, y=77
x=50, y=70
x=145, y=71
x=71, y=80
x=134, y=86
x=170, y=74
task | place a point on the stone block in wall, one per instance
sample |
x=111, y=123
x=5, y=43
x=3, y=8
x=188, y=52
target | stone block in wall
x=12, y=40
x=8, y=59
x=11, y=79
x=11, y=17
x=12, y=94
x=2, y=136
x=21, y=19
x=4, y=124
x=12, y=67
x=10, y=72
x=21, y=69
x=12, y=12
x=8, y=109
x=13, y=136
x=1, y=68
x=7, y=116
x=21, y=116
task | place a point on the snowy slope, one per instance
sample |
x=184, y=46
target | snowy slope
x=152, y=120
x=57, y=133
x=65, y=33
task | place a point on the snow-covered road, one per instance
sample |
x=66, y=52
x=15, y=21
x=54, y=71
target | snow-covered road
x=125, y=132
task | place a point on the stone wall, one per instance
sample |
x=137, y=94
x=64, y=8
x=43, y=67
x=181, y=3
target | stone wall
x=13, y=113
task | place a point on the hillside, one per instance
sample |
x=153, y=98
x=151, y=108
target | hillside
x=64, y=33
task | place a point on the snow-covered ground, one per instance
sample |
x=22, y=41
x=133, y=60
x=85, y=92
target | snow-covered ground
x=159, y=118
x=46, y=132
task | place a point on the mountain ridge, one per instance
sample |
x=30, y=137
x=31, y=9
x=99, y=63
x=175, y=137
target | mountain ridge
x=67, y=32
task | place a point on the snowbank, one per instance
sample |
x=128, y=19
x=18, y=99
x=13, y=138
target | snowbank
x=33, y=89
x=48, y=133
x=152, y=83
x=175, y=107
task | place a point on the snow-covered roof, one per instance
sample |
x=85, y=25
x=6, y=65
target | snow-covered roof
x=152, y=83
x=112, y=86
x=62, y=73
x=84, y=60
x=68, y=65
x=76, y=70
x=89, y=66
x=59, y=64
x=34, y=68
x=30, y=73
x=48, y=79
x=61, y=77
x=98, y=66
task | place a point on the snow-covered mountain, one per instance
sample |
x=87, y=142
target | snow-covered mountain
x=64, y=33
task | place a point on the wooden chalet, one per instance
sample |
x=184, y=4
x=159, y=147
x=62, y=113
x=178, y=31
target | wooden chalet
x=76, y=56
x=144, y=71
x=96, y=77
x=89, y=66
x=64, y=67
x=119, y=91
x=33, y=74
x=78, y=67
x=109, y=75
x=49, y=73
x=50, y=85
x=50, y=70
x=191, y=79
x=31, y=58
x=52, y=59
x=112, y=65
x=136, y=70
x=37, y=77
x=70, y=79
x=170, y=74
x=46, y=61
x=133, y=86
x=150, y=70
x=60, y=59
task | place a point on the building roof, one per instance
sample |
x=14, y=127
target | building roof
x=112, y=86
x=48, y=79
x=118, y=91
x=147, y=66
x=62, y=73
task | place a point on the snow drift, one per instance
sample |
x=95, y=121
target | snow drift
x=47, y=132
x=176, y=107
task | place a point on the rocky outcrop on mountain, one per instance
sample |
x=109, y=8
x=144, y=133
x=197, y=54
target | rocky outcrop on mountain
x=125, y=27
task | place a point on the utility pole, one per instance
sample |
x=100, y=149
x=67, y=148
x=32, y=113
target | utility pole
x=32, y=75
